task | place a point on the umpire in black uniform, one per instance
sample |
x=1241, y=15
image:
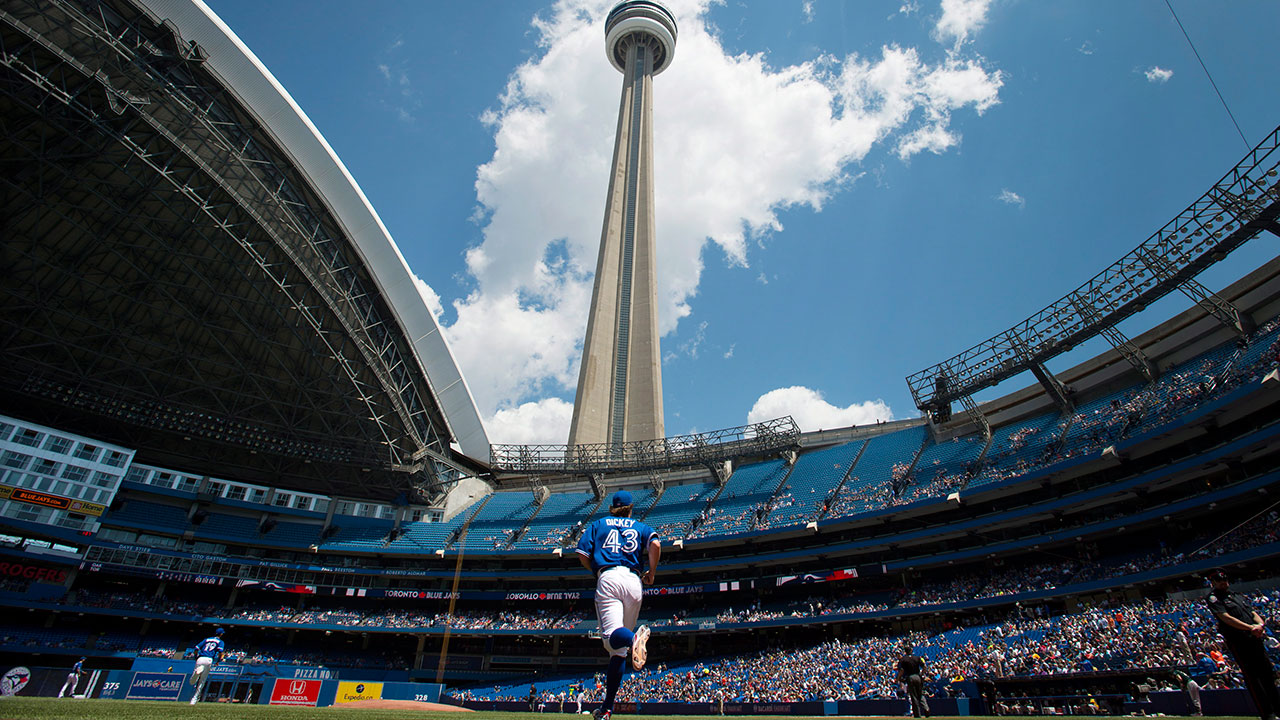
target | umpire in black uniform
x=1242, y=630
x=911, y=672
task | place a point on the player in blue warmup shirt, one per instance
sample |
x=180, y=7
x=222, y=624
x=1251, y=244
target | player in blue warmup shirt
x=208, y=651
x=615, y=550
x=73, y=679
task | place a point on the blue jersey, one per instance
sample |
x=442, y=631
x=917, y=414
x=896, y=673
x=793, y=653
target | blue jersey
x=76, y=668
x=616, y=541
x=210, y=647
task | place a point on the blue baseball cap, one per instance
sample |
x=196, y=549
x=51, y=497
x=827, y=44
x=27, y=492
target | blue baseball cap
x=219, y=631
x=622, y=498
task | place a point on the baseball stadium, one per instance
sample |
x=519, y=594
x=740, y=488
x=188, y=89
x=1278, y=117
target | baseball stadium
x=242, y=468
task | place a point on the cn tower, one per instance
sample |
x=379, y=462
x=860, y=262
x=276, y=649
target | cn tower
x=620, y=384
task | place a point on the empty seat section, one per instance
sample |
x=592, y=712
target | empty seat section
x=814, y=476
x=677, y=507
x=148, y=516
x=559, y=514
x=870, y=483
x=227, y=527
x=292, y=534
x=943, y=467
x=495, y=523
x=742, y=501
x=427, y=536
x=1017, y=448
x=356, y=533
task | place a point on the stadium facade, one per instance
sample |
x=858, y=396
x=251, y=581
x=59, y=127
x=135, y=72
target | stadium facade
x=201, y=301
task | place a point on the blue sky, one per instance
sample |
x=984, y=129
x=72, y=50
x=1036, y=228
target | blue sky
x=847, y=192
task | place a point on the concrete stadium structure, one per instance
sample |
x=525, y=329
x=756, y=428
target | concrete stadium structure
x=192, y=272
x=199, y=300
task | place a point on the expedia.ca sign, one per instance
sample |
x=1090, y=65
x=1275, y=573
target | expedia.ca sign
x=357, y=691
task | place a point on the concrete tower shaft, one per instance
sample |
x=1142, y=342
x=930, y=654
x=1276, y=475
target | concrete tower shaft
x=619, y=395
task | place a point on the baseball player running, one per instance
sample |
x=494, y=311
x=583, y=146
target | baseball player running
x=73, y=679
x=208, y=651
x=615, y=549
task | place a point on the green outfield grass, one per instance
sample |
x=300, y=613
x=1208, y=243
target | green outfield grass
x=22, y=708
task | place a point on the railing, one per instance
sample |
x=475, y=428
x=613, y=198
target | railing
x=681, y=450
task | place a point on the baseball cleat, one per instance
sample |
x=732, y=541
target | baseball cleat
x=640, y=647
x=599, y=714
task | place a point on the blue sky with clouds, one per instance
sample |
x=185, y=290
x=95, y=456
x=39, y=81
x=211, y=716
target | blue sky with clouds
x=847, y=192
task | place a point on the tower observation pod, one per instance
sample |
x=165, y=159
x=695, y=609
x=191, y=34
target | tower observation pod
x=619, y=395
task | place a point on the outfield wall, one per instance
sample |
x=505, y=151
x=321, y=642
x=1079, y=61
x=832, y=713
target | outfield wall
x=259, y=689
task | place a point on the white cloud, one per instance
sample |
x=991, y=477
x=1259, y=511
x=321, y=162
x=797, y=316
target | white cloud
x=541, y=195
x=807, y=8
x=911, y=7
x=729, y=353
x=429, y=296
x=812, y=412
x=1086, y=48
x=1156, y=74
x=960, y=19
x=545, y=422
x=1010, y=197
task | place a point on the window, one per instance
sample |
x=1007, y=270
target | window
x=386, y=512
x=104, y=480
x=5, y=429
x=58, y=444
x=28, y=437
x=415, y=515
x=61, y=487
x=282, y=499
x=72, y=521
x=45, y=467
x=138, y=475
x=214, y=488
x=301, y=502
x=87, y=452
x=15, y=460
x=436, y=516
x=75, y=473
x=187, y=484
x=235, y=492
x=257, y=495
x=115, y=458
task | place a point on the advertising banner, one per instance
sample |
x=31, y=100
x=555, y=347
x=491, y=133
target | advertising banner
x=32, y=572
x=357, y=691
x=155, y=686
x=49, y=500
x=295, y=692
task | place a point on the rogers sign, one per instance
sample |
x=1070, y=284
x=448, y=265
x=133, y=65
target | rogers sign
x=31, y=572
x=295, y=692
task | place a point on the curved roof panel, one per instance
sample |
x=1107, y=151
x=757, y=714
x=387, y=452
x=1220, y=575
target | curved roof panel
x=262, y=94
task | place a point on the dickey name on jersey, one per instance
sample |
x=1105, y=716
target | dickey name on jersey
x=617, y=541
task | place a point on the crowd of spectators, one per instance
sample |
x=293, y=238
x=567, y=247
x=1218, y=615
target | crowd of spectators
x=1000, y=578
x=1024, y=450
x=1121, y=635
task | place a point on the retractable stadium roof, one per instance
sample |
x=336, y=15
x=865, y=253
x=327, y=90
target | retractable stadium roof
x=190, y=270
